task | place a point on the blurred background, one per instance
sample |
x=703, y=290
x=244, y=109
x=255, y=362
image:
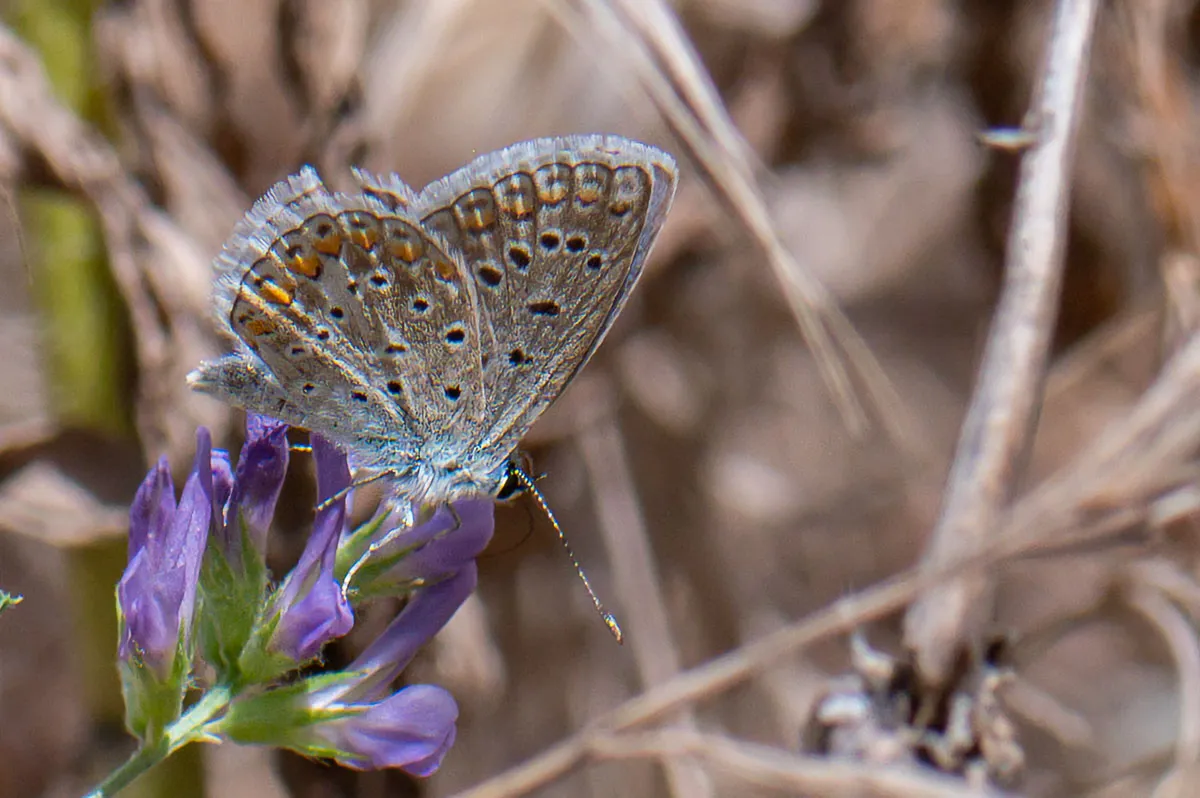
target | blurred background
x=701, y=467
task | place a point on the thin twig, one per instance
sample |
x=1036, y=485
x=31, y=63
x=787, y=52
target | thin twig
x=624, y=532
x=1180, y=636
x=775, y=769
x=649, y=36
x=1003, y=410
x=1160, y=431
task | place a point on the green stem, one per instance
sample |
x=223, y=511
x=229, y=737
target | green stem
x=188, y=728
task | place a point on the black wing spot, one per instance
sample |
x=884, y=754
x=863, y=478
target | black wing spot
x=452, y=392
x=517, y=357
x=322, y=335
x=550, y=240
x=544, y=307
x=324, y=229
x=297, y=350
x=358, y=396
x=456, y=335
x=520, y=256
x=490, y=275
x=307, y=388
x=379, y=281
x=393, y=387
x=352, y=287
x=576, y=244
x=337, y=313
x=594, y=261
x=396, y=349
x=420, y=305
x=620, y=208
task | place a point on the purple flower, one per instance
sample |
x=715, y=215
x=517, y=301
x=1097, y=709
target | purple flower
x=250, y=495
x=157, y=593
x=412, y=728
x=440, y=547
x=310, y=604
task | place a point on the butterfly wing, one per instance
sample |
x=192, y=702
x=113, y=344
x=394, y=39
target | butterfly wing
x=555, y=232
x=350, y=319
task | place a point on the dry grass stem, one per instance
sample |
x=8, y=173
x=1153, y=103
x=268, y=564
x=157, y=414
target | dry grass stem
x=996, y=432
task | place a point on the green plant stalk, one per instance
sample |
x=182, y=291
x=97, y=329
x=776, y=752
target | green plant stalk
x=187, y=729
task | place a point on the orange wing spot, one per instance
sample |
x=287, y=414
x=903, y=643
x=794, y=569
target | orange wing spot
x=588, y=193
x=446, y=270
x=257, y=327
x=303, y=261
x=552, y=183
x=476, y=211
x=322, y=231
x=516, y=204
x=514, y=196
x=330, y=244
x=552, y=192
x=361, y=227
x=273, y=293
x=365, y=237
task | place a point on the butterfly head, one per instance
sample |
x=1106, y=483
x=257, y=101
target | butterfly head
x=516, y=477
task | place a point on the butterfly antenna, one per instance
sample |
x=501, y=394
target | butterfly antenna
x=609, y=619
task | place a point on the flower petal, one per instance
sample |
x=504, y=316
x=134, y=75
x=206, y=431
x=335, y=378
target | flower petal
x=412, y=729
x=443, y=545
x=262, y=466
x=152, y=507
x=312, y=608
x=424, y=615
x=157, y=592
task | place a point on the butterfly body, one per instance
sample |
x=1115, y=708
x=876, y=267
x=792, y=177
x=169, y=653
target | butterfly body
x=425, y=331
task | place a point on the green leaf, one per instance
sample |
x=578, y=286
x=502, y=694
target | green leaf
x=9, y=600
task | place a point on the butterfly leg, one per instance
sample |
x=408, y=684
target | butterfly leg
x=408, y=520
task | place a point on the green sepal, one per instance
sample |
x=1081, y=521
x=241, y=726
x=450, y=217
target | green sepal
x=151, y=704
x=354, y=546
x=234, y=597
x=369, y=582
x=257, y=663
x=281, y=715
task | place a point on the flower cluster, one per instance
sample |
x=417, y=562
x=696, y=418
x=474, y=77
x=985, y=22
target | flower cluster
x=197, y=589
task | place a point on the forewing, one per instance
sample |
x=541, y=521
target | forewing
x=364, y=317
x=555, y=232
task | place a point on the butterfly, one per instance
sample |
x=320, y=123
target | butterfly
x=425, y=331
